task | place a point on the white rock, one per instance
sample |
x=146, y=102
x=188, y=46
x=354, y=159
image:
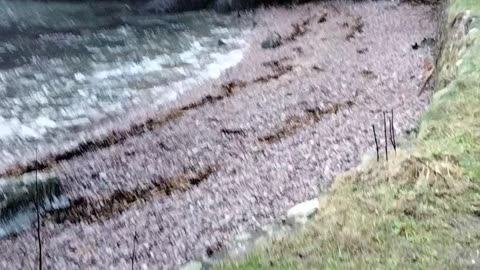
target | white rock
x=193, y=265
x=300, y=213
x=242, y=237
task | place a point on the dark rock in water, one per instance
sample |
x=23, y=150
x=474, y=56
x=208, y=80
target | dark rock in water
x=221, y=42
x=18, y=196
x=273, y=40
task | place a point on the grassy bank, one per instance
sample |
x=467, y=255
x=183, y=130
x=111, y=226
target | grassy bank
x=420, y=210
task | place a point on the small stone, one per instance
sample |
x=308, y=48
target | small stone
x=300, y=213
x=103, y=175
x=221, y=42
x=193, y=265
x=273, y=40
x=322, y=18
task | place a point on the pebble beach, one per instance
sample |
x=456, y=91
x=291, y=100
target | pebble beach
x=269, y=133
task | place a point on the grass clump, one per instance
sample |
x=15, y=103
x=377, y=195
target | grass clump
x=420, y=210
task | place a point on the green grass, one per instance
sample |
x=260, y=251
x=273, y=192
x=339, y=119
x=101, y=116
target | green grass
x=420, y=210
x=457, y=6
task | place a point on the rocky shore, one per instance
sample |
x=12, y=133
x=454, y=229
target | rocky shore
x=270, y=133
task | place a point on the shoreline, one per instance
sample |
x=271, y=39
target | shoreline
x=285, y=121
x=423, y=200
x=100, y=128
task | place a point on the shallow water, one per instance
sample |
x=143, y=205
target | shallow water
x=64, y=66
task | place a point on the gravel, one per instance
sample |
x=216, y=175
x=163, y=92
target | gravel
x=335, y=77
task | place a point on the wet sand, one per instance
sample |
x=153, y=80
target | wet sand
x=270, y=133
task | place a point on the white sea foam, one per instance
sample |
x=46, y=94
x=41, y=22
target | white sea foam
x=7, y=130
x=192, y=55
x=223, y=62
x=59, y=94
x=147, y=65
x=14, y=128
x=45, y=122
x=10, y=128
x=79, y=77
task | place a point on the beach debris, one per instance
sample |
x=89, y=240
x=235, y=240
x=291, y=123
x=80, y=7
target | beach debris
x=362, y=50
x=317, y=68
x=228, y=131
x=299, y=29
x=230, y=86
x=298, y=50
x=296, y=122
x=368, y=74
x=426, y=42
x=322, y=18
x=355, y=27
x=274, y=39
x=276, y=62
x=92, y=210
x=276, y=65
x=213, y=249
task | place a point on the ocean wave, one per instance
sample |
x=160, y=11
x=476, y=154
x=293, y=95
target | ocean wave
x=67, y=84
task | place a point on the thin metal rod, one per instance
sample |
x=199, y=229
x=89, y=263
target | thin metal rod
x=37, y=208
x=376, y=143
x=133, y=252
x=392, y=133
x=385, y=133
